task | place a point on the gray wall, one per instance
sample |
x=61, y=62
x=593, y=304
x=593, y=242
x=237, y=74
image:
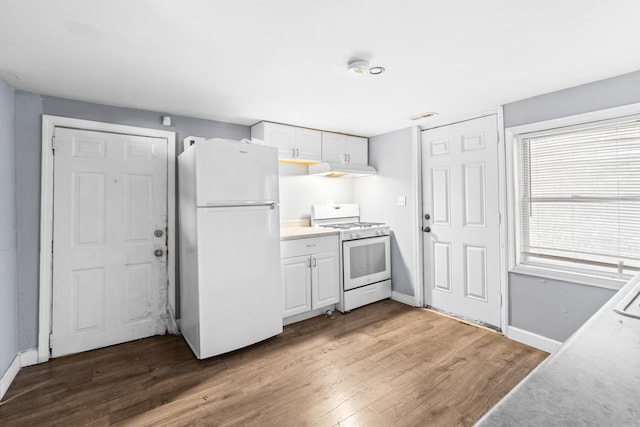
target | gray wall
x=29, y=108
x=552, y=308
x=594, y=96
x=392, y=155
x=8, y=276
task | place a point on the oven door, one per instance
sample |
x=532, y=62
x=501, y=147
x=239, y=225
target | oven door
x=366, y=261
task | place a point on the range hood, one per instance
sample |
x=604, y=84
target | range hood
x=335, y=170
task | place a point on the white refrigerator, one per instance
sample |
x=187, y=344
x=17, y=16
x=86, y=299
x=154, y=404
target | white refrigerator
x=230, y=289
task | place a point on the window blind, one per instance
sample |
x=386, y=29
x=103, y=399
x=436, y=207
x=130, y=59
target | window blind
x=580, y=196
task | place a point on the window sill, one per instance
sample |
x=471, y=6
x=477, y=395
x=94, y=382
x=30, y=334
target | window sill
x=569, y=276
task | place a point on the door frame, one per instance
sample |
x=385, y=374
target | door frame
x=49, y=123
x=503, y=208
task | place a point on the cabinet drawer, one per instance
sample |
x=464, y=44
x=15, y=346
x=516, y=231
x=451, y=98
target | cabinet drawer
x=298, y=247
x=367, y=294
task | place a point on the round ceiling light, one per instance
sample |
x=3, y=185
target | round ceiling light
x=376, y=70
x=358, y=67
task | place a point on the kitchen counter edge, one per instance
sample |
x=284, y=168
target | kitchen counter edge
x=294, y=233
x=591, y=380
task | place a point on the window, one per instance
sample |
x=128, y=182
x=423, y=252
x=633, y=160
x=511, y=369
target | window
x=579, y=198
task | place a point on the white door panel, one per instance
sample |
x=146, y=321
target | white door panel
x=296, y=285
x=333, y=147
x=366, y=261
x=309, y=144
x=238, y=248
x=357, y=149
x=460, y=184
x=110, y=195
x=241, y=167
x=326, y=280
x=282, y=137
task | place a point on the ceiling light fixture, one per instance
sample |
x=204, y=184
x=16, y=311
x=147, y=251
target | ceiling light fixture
x=376, y=70
x=423, y=115
x=358, y=67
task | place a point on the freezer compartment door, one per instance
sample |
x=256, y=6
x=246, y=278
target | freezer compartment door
x=229, y=171
x=239, y=277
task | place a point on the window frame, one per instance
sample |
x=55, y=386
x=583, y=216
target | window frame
x=513, y=135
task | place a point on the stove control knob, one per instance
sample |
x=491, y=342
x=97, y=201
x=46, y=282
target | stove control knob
x=354, y=235
x=379, y=233
x=357, y=235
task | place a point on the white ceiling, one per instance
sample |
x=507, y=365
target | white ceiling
x=285, y=60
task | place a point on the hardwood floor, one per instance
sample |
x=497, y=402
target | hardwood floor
x=383, y=364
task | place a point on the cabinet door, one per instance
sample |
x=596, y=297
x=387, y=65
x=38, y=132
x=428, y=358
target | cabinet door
x=296, y=284
x=308, y=144
x=333, y=147
x=325, y=282
x=281, y=137
x=357, y=150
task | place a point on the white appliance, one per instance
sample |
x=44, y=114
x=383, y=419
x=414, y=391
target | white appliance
x=230, y=289
x=365, y=254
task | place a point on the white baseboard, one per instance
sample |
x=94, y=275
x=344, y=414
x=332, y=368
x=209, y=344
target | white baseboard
x=533, y=340
x=29, y=357
x=9, y=376
x=403, y=298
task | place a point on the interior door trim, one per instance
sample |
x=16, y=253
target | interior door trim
x=502, y=197
x=49, y=123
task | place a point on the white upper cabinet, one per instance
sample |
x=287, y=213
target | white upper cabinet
x=308, y=143
x=293, y=143
x=334, y=147
x=346, y=149
x=357, y=149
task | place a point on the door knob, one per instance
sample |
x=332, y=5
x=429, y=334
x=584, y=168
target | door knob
x=427, y=216
x=158, y=233
x=426, y=229
x=158, y=252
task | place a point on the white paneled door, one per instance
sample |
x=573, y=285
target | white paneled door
x=109, y=239
x=461, y=232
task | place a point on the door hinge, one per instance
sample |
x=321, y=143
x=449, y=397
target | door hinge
x=500, y=300
x=499, y=218
x=50, y=341
x=53, y=143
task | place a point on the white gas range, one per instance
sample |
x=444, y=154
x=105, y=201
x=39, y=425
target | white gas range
x=365, y=254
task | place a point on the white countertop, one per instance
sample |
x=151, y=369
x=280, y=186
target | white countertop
x=592, y=380
x=292, y=233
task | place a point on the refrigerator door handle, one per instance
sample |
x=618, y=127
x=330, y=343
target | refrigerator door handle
x=270, y=203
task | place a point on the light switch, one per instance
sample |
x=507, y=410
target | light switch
x=402, y=200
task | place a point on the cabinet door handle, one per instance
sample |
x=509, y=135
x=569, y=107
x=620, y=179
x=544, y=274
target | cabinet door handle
x=345, y=157
x=309, y=263
x=314, y=262
x=297, y=152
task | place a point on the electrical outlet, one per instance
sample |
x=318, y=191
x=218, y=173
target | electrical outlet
x=402, y=200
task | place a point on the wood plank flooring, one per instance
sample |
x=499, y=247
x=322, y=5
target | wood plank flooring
x=381, y=365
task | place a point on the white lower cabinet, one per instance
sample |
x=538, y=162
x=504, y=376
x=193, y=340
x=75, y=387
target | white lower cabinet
x=310, y=274
x=296, y=280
